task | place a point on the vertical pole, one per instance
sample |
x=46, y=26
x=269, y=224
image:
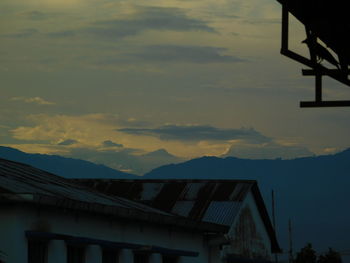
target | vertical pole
x=290, y=241
x=274, y=218
x=318, y=87
x=285, y=26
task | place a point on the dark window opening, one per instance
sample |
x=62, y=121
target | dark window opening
x=141, y=258
x=75, y=254
x=170, y=259
x=37, y=251
x=110, y=256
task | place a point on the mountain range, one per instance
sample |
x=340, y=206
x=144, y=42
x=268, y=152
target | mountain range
x=65, y=167
x=314, y=192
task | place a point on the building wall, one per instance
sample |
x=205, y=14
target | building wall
x=16, y=220
x=11, y=235
x=248, y=234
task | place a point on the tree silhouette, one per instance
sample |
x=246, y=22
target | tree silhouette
x=330, y=257
x=306, y=255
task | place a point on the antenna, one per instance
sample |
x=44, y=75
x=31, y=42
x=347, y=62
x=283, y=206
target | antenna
x=274, y=218
x=290, y=241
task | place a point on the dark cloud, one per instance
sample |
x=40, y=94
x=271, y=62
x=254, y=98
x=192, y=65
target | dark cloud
x=68, y=142
x=28, y=32
x=174, y=53
x=262, y=21
x=199, y=133
x=196, y=54
x=147, y=18
x=109, y=143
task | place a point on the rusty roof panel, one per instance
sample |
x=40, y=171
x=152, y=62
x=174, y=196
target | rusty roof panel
x=168, y=196
x=150, y=191
x=222, y=212
x=223, y=191
x=239, y=192
x=191, y=190
x=183, y=208
x=190, y=198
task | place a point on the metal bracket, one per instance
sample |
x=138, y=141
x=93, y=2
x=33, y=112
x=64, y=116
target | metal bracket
x=316, y=70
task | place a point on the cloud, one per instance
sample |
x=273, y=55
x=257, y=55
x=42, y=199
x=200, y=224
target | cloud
x=60, y=34
x=34, y=100
x=269, y=150
x=177, y=53
x=88, y=129
x=109, y=143
x=68, y=142
x=34, y=15
x=199, y=133
x=145, y=18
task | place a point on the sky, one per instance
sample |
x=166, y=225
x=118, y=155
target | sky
x=83, y=78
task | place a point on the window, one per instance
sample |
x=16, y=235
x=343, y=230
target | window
x=170, y=259
x=141, y=258
x=110, y=256
x=37, y=251
x=75, y=254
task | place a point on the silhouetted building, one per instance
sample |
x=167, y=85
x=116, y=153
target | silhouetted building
x=235, y=204
x=48, y=219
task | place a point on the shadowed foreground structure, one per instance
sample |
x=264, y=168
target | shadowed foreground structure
x=46, y=218
x=236, y=204
x=325, y=21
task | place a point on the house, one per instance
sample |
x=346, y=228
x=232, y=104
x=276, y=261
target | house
x=48, y=219
x=235, y=204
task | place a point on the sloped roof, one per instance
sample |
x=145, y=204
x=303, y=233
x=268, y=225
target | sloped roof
x=23, y=183
x=214, y=201
x=211, y=201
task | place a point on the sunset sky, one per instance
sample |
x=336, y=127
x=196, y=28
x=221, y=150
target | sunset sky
x=192, y=77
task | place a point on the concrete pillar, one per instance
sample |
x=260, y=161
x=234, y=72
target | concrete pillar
x=93, y=254
x=155, y=258
x=57, y=251
x=126, y=256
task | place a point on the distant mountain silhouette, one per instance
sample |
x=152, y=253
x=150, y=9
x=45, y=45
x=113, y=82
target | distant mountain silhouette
x=66, y=167
x=126, y=159
x=150, y=160
x=313, y=191
x=162, y=153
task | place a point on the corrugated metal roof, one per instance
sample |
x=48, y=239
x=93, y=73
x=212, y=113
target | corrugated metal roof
x=23, y=183
x=212, y=201
x=222, y=212
x=195, y=199
x=17, y=178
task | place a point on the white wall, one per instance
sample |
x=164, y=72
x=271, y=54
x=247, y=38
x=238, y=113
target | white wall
x=15, y=221
x=12, y=239
x=248, y=234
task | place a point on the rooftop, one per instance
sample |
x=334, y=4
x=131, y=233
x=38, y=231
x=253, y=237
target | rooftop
x=21, y=183
x=212, y=201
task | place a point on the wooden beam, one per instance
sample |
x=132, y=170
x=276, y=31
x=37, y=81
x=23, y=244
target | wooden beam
x=319, y=104
x=312, y=72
